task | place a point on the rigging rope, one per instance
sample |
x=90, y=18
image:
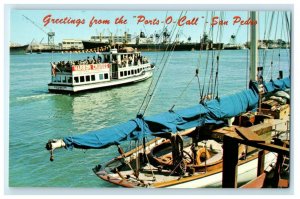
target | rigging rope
x=206, y=65
x=270, y=71
x=288, y=31
x=160, y=35
x=185, y=88
x=220, y=33
x=268, y=37
x=210, y=85
x=213, y=81
x=153, y=85
x=281, y=37
x=201, y=48
x=213, y=88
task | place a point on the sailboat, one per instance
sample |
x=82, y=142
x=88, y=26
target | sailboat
x=187, y=149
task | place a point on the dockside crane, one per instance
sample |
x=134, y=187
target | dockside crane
x=50, y=34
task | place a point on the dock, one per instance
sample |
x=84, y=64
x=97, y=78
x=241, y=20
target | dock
x=249, y=138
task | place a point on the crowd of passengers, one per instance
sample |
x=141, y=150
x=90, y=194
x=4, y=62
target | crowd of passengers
x=67, y=65
x=130, y=60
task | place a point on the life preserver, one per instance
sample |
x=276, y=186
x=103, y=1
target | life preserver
x=202, y=155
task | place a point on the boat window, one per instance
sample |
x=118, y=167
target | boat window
x=132, y=72
x=125, y=73
x=81, y=78
x=64, y=79
x=69, y=79
x=106, y=76
x=135, y=71
x=121, y=73
x=76, y=79
x=58, y=78
x=87, y=78
x=129, y=72
x=100, y=76
x=93, y=77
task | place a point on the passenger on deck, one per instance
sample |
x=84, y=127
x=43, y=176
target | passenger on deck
x=53, y=68
x=99, y=60
x=88, y=60
x=130, y=60
x=105, y=59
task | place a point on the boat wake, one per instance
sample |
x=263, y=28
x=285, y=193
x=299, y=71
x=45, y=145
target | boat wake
x=40, y=96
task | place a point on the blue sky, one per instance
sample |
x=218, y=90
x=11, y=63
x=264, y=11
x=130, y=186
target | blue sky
x=23, y=32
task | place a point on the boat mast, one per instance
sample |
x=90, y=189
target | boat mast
x=255, y=71
x=253, y=47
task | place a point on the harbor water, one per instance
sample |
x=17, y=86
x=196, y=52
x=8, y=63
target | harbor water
x=35, y=115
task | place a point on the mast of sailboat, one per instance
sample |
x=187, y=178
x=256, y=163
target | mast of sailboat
x=253, y=47
x=255, y=71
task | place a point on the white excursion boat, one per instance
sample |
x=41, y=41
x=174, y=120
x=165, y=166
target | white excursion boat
x=109, y=69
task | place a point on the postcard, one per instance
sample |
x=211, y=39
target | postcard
x=108, y=98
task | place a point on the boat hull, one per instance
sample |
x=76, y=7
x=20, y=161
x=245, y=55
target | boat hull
x=93, y=44
x=18, y=50
x=61, y=88
x=247, y=170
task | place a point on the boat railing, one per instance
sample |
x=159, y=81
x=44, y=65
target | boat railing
x=133, y=62
x=65, y=69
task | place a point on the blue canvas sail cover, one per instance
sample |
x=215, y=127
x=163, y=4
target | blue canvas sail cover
x=230, y=106
x=170, y=121
x=213, y=111
x=174, y=121
x=279, y=84
x=102, y=138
